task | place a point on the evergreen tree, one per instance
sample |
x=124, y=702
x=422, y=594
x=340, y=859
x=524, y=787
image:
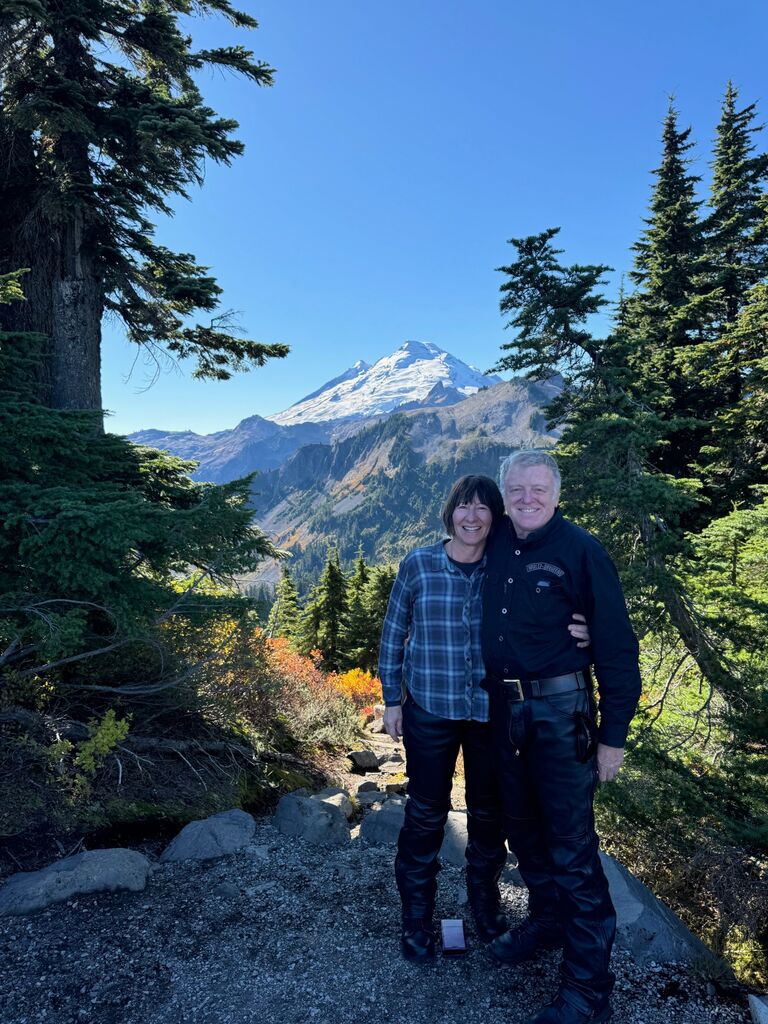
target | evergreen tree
x=285, y=614
x=97, y=532
x=325, y=613
x=616, y=481
x=101, y=124
x=376, y=599
x=355, y=632
x=731, y=362
x=736, y=231
x=668, y=255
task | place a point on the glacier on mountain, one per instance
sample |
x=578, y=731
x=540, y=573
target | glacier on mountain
x=413, y=375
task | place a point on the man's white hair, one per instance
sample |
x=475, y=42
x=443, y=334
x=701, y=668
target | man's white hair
x=529, y=457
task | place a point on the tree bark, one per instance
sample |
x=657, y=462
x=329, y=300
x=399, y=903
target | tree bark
x=77, y=309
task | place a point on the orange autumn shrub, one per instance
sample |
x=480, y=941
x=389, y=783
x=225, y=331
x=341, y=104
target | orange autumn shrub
x=363, y=689
x=314, y=709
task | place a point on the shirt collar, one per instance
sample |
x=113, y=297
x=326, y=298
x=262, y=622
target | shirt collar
x=440, y=559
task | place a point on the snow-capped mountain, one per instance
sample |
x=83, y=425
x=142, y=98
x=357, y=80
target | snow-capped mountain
x=417, y=374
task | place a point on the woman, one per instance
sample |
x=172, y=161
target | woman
x=431, y=671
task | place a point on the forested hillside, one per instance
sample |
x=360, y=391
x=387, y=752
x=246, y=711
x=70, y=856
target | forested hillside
x=381, y=490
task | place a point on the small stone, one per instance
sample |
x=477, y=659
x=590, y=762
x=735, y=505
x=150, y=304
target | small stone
x=364, y=760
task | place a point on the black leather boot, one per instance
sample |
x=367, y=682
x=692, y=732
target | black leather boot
x=485, y=904
x=524, y=942
x=418, y=938
x=560, y=1011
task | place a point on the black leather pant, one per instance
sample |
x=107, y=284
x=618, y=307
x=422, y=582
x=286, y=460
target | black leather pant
x=432, y=745
x=547, y=795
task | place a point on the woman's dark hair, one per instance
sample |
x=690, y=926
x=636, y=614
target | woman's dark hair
x=468, y=488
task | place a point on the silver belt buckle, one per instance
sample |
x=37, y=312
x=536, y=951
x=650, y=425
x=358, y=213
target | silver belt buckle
x=519, y=684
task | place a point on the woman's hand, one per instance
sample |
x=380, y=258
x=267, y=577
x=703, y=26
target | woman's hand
x=393, y=722
x=579, y=630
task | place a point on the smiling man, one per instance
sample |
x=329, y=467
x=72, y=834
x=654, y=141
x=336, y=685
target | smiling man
x=552, y=749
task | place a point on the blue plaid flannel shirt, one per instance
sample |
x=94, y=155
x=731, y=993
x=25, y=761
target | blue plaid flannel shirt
x=431, y=637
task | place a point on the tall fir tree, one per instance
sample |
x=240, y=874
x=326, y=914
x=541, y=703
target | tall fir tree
x=284, y=617
x=101, y=125
x=736, y=230
x=616, y=480
x=376, y=598
x=355, y=630
x=325, y=614
x=731, y=363
x=668, y=256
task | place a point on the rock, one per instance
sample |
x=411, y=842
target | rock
x=381, y=827
x=367, y=787
x=645, y=927
x=377, y=725
x=212, y=837
x=89, y=872
x=364, y=760
x=394, y=757
x=391, y=768
x=317, y=821
x=399, y=788
x=370, y=798
x=758, y=1006
x=455, y=840
x=336, y=797
x=259, y=852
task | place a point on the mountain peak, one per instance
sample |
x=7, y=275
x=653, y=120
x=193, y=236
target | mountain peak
x=405, y=379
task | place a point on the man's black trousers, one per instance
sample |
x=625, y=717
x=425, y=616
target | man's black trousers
x=432, y=745
x=547, y=795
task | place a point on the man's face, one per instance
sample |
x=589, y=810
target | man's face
x=530, y=497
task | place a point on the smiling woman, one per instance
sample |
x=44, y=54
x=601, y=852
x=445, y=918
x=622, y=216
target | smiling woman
x=431, y=670
x=468, y=516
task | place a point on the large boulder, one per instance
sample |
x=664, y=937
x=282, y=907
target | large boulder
x=645, y=927
x=758, y=1006
x=314, y=818
x=212, y=837
x=381, y=826
x=89, y=872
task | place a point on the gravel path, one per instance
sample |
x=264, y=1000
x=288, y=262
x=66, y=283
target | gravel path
x=287, y=933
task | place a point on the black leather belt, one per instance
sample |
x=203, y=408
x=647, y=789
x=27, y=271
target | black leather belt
x=524, y=689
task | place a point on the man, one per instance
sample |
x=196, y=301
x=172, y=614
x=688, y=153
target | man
x=540, y=570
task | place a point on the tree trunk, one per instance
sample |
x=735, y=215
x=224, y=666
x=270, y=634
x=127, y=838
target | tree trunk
x=77, y=308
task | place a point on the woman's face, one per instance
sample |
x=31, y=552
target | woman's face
x=472, y=521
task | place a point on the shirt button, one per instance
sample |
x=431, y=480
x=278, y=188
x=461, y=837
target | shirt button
x=503, y=611
x=517, y=552
x=511, y=580
x=501, y=638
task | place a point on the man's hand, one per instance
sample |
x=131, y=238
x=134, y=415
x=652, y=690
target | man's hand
x=609, y=760
x=393, y=722
x=579, y=630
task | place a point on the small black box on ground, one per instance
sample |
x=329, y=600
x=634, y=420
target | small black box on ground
x=452, y=937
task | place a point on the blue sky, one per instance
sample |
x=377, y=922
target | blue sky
x=399, y=149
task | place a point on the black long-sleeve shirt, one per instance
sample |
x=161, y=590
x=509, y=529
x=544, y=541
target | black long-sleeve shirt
x=532, y=588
